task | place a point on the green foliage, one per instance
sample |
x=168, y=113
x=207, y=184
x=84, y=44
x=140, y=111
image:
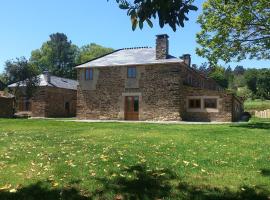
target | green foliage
x=256, y=104
x=234, y=30
x=239, y=70
x=218, y=74
x=251, y=76
x=263, y=84
x=57, y=56
x=91, y=51
x=244, y=92
x=22, y=72
x=171, y=12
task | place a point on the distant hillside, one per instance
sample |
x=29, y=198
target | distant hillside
x=257, y=104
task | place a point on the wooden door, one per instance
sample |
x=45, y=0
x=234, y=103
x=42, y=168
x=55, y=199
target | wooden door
x=132, y=108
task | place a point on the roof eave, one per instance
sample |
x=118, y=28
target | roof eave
x=129, y=64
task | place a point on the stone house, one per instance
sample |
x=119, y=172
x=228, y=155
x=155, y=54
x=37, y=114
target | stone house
x=54, y=97
x=6, y=104
x=150, y=84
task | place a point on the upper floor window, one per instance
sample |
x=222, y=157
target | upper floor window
x=131, y=72
x=89, y=74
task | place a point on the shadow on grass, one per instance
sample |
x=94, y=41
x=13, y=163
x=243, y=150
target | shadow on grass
x=265, y=172
x=42, y=191
x=164, y=184
x=135, y=183
x=256, y=125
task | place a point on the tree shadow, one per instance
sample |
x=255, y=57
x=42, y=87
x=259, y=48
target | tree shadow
x=42, y=191
x=257, y=125
x=265, y=172
x=135, y=183
x=207, y=193
x=164, y=184
x=139, y=183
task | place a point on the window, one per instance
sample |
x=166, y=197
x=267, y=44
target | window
x=136, y=104
x=89, y=74
x=210, y=103
x=131, y=72
x=194, y=103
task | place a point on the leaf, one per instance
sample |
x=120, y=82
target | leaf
x=191, y=7
x=13, y=190
x=5, y=187
x=123, y=6
x=134, y=24
x=149, y=23
x=141, y=24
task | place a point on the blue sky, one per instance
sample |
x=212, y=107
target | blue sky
x=25, y=25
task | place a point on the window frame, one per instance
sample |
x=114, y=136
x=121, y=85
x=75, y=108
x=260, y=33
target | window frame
x=133, y=74
x=202, y=107
x=90, y=73
x=216, y=103
x=195, y=103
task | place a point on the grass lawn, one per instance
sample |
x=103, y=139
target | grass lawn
x=257, y=104
x=46, y=159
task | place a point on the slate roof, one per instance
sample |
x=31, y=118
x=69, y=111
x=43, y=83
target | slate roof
x=130, y=56
x=55, y=82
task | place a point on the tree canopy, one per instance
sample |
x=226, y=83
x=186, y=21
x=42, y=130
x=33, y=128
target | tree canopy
x=171, y=12
x=91, y=51
x=57, y=56
x=234, y=30
x=19, y=70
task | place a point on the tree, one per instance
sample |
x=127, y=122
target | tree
x=229, y=77
x=263, y=84
x=57, y=56
x=204, y=68
x=239, y=70
x=20, y=71
x=251, y=76
x=91, y=51
x=171, y=12
x=235, y=30
x=218, y=74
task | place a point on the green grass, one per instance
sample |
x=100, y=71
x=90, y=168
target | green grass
x=256, y=105
x=46, y=159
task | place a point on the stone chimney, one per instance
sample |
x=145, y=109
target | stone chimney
x=162, y=46
x=187, y=59
x=47, y=76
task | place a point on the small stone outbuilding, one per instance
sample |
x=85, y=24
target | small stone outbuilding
x=54, y=97
x=6, y=105
x=150, y=84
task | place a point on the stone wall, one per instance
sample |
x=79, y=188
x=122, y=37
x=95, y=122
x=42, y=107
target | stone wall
x=56, y=101
x=157, y=87
x=6, y=107
x=223, y=113
x=50, y=102
x=161, y=91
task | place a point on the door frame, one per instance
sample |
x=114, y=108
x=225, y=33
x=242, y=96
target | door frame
x=131, y=114
x=123, y=104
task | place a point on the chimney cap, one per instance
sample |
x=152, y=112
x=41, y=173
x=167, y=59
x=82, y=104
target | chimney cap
x=162, y=36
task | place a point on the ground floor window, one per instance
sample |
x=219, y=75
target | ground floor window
x=202, y=104
x=194, y=103
x=210, y=103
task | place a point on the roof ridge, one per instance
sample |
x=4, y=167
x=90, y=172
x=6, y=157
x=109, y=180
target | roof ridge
x=99, y=57
x=63, y=78
x=145, y=47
